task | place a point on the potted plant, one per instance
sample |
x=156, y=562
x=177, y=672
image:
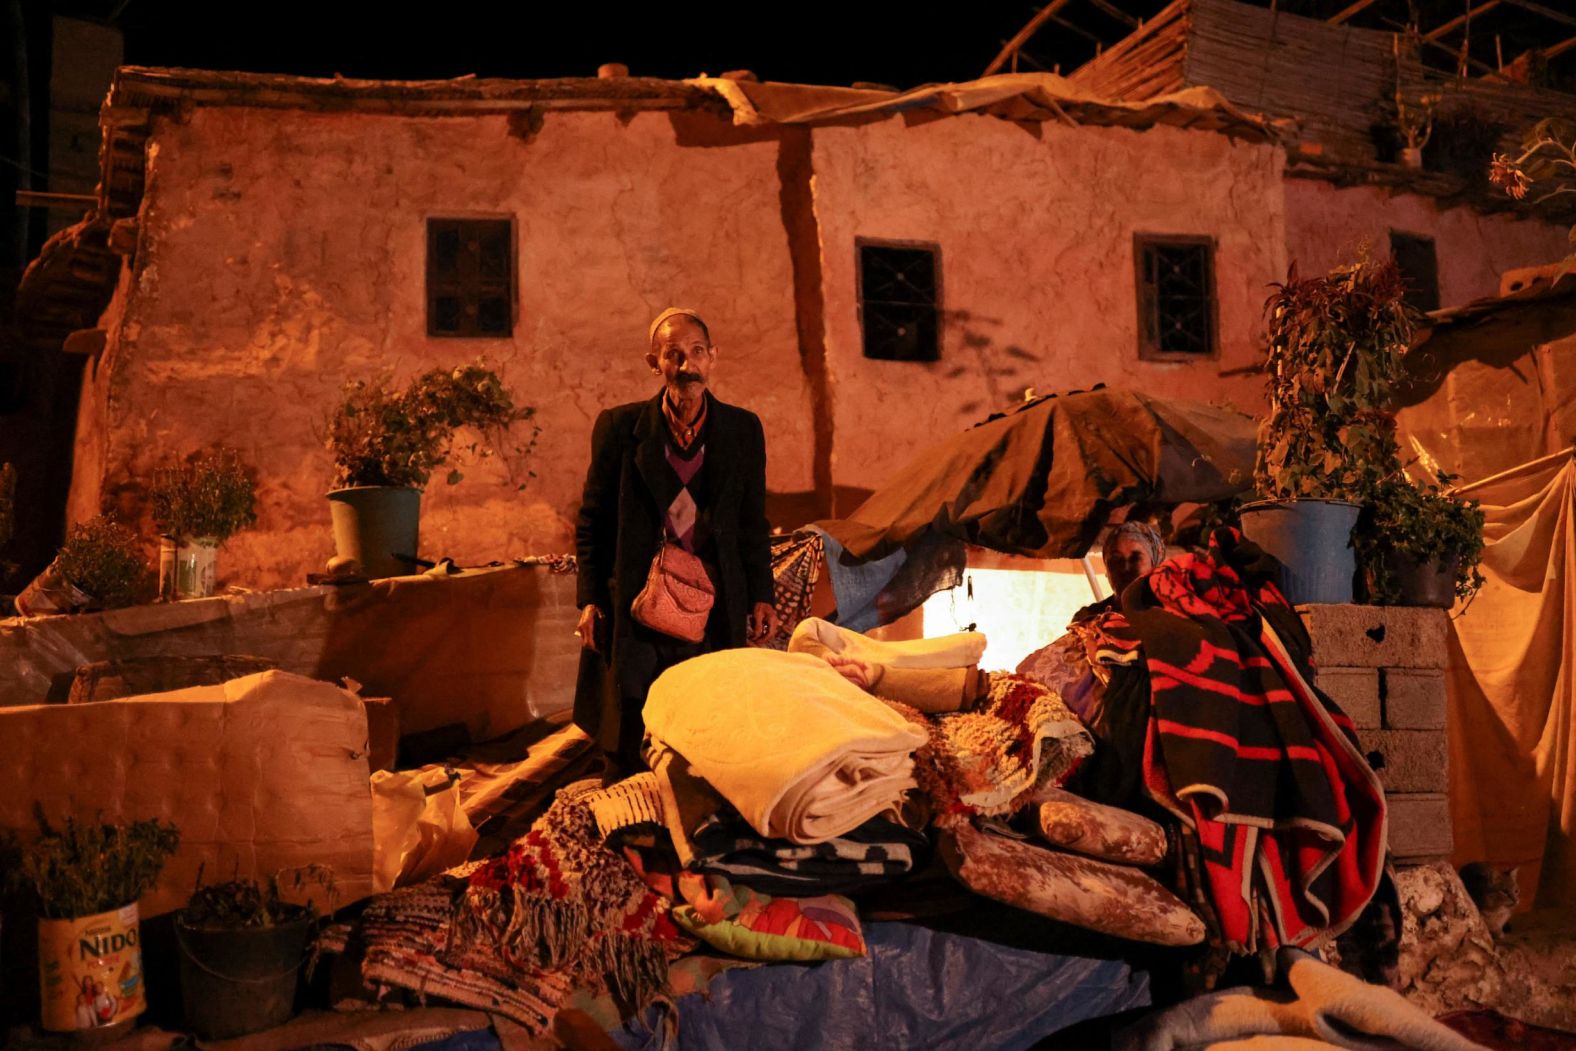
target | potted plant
x=1335, y=348
x=84, y=880
x=242, y=946
x=1420, y=544
x=1414, y=117
x=99, y=567
x=387, y=443
x=198, y=505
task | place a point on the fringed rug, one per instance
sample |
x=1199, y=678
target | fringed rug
x=560, y=901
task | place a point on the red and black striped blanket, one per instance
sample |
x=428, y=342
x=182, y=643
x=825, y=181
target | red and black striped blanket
x=1242, y=748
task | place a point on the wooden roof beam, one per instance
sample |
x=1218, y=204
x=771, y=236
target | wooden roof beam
x=1022, y=37
x=1080, y=30
x=1351, y=11
x=1116, y=13
x=1460, y=20
x=1546, y=12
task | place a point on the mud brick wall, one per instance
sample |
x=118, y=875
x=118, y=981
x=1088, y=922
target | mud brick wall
x=1385, y=667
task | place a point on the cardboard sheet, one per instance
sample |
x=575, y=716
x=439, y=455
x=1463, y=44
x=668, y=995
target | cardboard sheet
x=260, y=774
x=492, y=649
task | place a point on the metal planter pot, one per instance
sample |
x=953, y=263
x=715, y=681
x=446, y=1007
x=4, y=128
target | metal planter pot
x=1311, y=539
x=375, y=524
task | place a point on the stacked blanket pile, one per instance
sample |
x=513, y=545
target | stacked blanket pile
x=801, y=752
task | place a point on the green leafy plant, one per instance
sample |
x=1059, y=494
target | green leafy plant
x=1422, y=523
x=210, y=495
x=1335, y=349
x=381, y=436
x=82, y=869
x=239, y=903
x=104, y=560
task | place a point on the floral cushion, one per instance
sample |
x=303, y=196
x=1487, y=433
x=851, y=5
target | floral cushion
x=760, y=927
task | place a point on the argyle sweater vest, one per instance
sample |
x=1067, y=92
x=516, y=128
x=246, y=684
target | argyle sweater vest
x=683, y=514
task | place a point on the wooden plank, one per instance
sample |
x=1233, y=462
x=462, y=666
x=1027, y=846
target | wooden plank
x=1116, y=12
x=1546, y=12
x=60, y=201
x=1023, y=35
x=1460, y=20
x=1350, y=12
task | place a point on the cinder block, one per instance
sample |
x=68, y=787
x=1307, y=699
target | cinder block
x=1414, y=698
x=1413, y=760
x=1356, y=690
x=1376, y=636
x=1420, y=826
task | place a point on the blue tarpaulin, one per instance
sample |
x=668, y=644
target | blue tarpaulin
x=917, y=988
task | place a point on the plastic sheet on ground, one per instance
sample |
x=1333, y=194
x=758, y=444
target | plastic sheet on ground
x=916, y=988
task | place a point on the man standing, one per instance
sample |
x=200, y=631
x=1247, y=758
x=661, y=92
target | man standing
x=681, y=468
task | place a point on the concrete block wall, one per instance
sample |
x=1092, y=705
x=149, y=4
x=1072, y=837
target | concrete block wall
x=1385, y=667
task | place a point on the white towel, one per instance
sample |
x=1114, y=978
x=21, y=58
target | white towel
x=962, y=650
x=804, y=754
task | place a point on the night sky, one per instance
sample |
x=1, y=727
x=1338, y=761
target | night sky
x=880, y=41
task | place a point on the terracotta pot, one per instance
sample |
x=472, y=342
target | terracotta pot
x=1412, y=157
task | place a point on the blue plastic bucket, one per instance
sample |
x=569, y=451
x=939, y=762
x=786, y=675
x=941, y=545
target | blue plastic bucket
x=1311, y=539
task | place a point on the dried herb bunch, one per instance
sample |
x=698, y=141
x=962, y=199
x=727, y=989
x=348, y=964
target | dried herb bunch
x=381, y=436
x=1425, y=523
x=104, y=559
x=1547, y=160
x=254, y=903
x=81, y=869
x=1335, y=349
x=210, y=495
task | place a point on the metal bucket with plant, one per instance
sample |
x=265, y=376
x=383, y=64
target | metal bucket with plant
x=198, y=505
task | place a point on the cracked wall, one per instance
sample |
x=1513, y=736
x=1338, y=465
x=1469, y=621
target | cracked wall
x=1329, y=225
x=283, y=253
x=1036, y=236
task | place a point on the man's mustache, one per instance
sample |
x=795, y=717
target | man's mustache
x=688, y=377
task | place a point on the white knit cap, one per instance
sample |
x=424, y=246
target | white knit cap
x=651, y=333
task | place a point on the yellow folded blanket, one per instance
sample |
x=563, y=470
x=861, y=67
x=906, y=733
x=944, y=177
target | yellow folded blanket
x=804, y=754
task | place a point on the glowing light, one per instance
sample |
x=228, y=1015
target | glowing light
x=1019, y=610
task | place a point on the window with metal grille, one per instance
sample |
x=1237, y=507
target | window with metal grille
x=1414, y=256
x=1176, y=297
x=900, y=300
x=470, y=277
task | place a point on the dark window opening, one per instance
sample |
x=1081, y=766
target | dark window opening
x=1414, y=256
x=900, y=301
x=1176, y=297
x=13, y=386
x=470, y=277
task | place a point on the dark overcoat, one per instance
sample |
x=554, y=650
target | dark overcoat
x=628, y=488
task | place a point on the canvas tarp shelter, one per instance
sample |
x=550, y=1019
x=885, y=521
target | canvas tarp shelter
x=1043, y=479
x=1512, y=714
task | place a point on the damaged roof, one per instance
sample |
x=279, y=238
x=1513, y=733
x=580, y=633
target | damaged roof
x=1026, y=97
